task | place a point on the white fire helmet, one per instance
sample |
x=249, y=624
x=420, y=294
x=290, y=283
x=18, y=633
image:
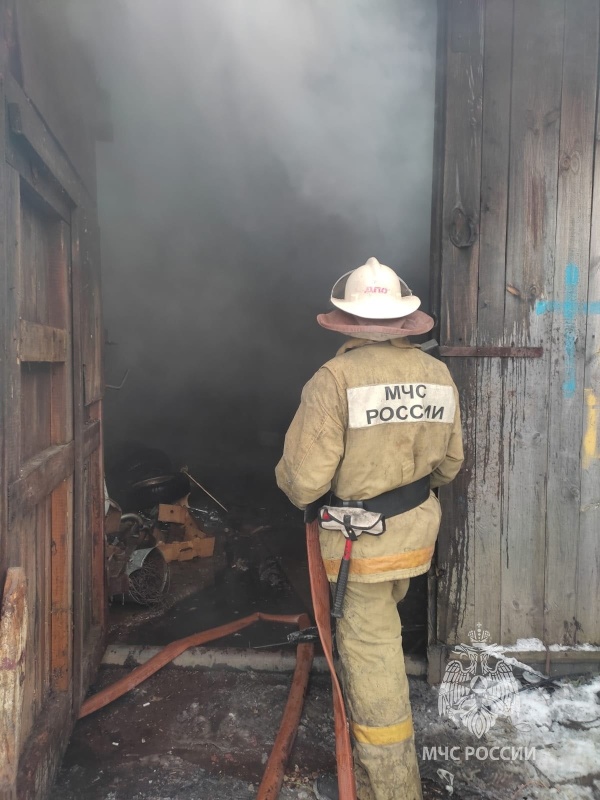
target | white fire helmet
x=374, y=291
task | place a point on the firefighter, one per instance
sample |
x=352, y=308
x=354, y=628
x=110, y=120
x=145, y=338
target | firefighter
x=379, y=427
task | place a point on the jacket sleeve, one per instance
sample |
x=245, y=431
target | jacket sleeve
x=450, y=466
x=314, y=443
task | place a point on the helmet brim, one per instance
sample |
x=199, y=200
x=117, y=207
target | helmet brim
x=410, y=325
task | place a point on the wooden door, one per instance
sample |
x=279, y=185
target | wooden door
x=52, y=488
x=516, y=250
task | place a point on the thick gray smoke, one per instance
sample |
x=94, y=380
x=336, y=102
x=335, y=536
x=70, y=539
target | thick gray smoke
x=260, y=150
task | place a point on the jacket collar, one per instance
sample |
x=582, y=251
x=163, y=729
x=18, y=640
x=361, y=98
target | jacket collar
x=353, y=344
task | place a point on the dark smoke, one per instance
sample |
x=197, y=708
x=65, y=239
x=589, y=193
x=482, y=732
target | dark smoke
x=260, y=150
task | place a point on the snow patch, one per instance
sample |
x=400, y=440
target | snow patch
x=537, y=646
x=564, y=729
x=526, y=646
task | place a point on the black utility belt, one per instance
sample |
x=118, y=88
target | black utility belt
x=390, y=504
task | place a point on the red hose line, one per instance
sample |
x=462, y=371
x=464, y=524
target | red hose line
x=272, y=780
x=319, y=586
x=171, y=652
x=275, y=769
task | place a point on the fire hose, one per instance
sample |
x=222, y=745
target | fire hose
x=319, y=587
x=275, y=769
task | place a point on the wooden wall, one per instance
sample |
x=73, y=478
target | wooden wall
x=51, y=487
x=517, y=250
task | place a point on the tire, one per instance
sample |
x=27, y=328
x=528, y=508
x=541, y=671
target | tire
x=151, y=464
x=160, y=489
x=140, y=463
x=134, y=463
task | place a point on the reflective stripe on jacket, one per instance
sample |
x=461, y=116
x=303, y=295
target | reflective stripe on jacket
x=377, y=416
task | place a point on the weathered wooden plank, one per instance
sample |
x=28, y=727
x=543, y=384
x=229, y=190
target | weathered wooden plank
x=458, y=323
x=489, y=462
x=61, y=418
x=36, y=392
x=80, y=587
x=93, y=650
x=439, y=149
x=36, y=234
x=588, y=560
x=13, y=640
x=4, y=328
x=33, y=530
x=534, y=148
x=577, y=133
x=96, y=472
x=86, y=551
x=33, y=533
x=42, y=539
x=555, y=664
x=462, y=172
x=489, y=494
x=456, y=589
x=535, y=128
x=39, y=477
x=490, y=351
x=27, y=123
x=37, y=178
x=91, y=438
x=41, y=343
x=12, y=308
x=59, y=276
x=23, y=532
x=44, y=748
x=91, y=310
x=98, y=597
x=495, y=148
x=62, y=585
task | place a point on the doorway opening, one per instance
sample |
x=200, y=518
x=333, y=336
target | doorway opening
x=254, y=159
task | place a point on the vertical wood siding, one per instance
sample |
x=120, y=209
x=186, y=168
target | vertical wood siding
x=588, y=556
x=517, y=550
x=489, y=504
x=460, y=215
x=569, y=320
x=533, y=169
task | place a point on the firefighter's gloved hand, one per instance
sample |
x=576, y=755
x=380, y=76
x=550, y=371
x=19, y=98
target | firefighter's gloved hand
x=335, y=518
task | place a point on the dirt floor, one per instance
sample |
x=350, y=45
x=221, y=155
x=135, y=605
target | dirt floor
x=206, y=733
x=202, y=733
x=189, y=733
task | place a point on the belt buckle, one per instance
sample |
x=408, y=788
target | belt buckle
x=353, y=504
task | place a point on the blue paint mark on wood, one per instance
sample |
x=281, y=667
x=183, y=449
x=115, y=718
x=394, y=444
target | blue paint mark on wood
x=570, y=308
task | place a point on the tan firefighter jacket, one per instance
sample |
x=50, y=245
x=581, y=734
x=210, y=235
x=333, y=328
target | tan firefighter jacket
x=377, y=416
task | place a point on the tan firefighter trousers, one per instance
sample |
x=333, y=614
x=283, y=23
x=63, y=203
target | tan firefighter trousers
x=369, y=641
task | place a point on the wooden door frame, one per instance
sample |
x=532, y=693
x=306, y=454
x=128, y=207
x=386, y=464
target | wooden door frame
x=31, y=157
